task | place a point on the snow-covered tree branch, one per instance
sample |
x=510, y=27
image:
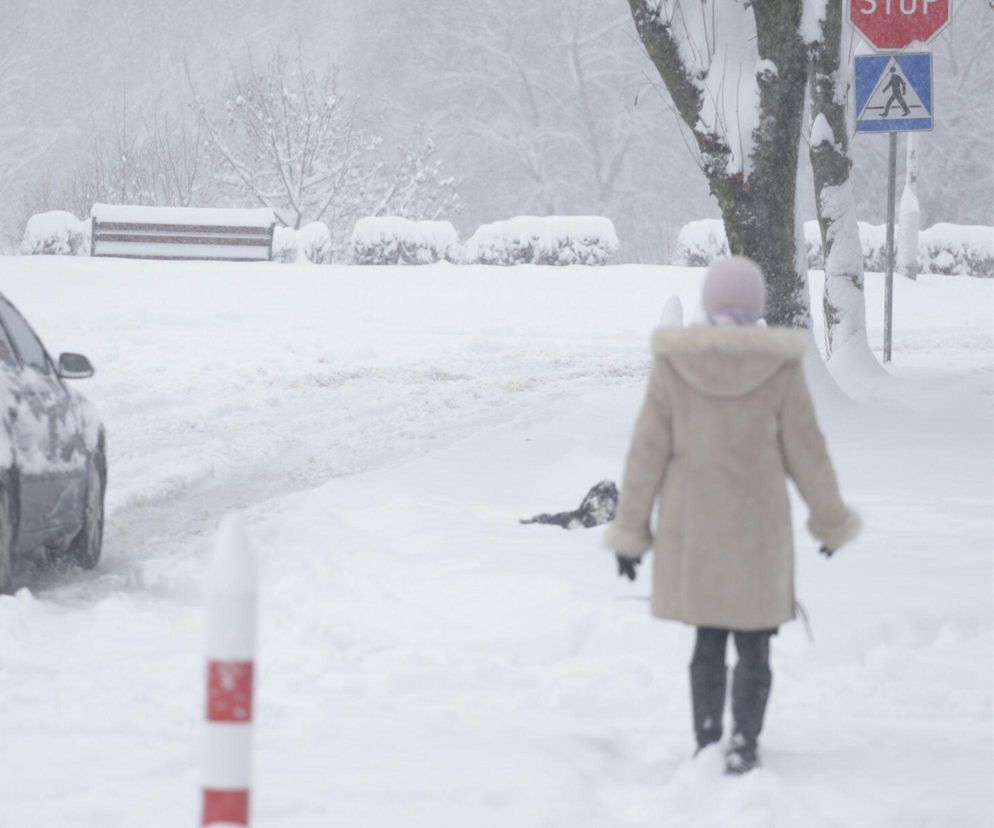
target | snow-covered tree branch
x=831, y=164
x=736, y=73
x=291, y=140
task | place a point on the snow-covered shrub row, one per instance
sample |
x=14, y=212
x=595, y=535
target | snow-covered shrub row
x=812, y=245
x=951, y=249
x=701, y=242
x=963, y=249
x=873, y=239
x=960, y=249
x=543, y=240
x=390, y=240
x=311, y=243
x=55, y=233
x=285, y=245
x=314, y=242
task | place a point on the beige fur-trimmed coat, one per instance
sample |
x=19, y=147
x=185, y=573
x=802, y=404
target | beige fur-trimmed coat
x=726, y=419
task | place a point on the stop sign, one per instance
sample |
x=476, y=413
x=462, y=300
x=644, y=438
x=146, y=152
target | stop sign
x=895, y=24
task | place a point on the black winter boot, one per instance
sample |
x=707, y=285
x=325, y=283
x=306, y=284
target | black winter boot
x=751, y=683
x=708, y=678
x=740, y=757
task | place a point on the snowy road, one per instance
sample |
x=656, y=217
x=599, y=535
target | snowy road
x=426, y=661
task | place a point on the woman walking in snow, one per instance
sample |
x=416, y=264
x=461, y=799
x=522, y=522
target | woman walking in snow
x=726, y=419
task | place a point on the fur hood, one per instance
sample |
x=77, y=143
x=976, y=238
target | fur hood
x=728, y=362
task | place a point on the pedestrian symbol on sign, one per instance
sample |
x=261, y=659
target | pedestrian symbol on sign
x=897, y=87
x=893, y=93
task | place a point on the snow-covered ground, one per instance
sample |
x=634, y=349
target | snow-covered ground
x=426, y=661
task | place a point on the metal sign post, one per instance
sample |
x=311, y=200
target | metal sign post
x=889, y=278
x=893, y=94
x=900, y=83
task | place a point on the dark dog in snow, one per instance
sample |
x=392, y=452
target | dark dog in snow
x=597, y=508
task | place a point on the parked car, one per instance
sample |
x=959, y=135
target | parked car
x=53, y=462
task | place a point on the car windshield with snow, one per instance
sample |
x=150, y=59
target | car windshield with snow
x=53, y=468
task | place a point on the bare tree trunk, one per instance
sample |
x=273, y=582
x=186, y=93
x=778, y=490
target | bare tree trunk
x=758, y=210
x=843, y=299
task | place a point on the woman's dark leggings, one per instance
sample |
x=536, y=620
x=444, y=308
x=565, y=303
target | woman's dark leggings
x=751, y=681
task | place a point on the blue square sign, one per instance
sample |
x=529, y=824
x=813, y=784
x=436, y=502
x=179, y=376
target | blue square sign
x=894, y=92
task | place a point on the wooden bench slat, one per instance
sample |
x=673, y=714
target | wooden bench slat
x=173, y=258
x=181, y=228
x=156, y=239
x=184, y=250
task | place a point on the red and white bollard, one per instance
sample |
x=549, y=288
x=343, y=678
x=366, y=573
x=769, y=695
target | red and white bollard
x=231, y=593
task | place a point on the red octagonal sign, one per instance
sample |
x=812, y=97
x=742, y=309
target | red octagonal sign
x=895, y=24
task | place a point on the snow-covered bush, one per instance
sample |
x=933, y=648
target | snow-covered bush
x=963, y=249
x=543, y=240
x=314, y=242
x=701, y=242
x=375, y=242
x=873, y=239
x=390, y=240
x=425, y=242
x=86, y=230
x=500, y=243
x=55, y=233
x=812, y=245
x=285, y=245
x=960, y=249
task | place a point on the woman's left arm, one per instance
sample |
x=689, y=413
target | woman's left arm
x=630, y=534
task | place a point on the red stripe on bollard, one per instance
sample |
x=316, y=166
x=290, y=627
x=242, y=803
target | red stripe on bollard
x=231, y=807
x=229, y=691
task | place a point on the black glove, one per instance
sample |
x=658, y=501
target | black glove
x=627, y=567
x=826, y=551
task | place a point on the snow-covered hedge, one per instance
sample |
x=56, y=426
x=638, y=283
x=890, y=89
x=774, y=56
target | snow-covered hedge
x=390, y=240
x=952, y=249
x=544, y=240
x=701, y=242
x=812, y=245
x=286, y=248
x=311, y=243
x=960, y=249
x=873, y=239
x=314, y=242
x=963, y=249
x=55, y=233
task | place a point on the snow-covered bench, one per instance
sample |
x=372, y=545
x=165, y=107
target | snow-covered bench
x=133, y=232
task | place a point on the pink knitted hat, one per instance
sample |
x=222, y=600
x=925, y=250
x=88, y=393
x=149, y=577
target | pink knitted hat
x=734, y=287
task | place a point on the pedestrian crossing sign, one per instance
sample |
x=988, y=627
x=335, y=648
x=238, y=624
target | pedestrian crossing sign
x=894, y=92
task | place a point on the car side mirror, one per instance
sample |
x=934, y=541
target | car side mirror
x=74, y=366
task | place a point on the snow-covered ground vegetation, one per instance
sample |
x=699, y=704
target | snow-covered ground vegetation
x=951, y=249
x=701, y=242
x=543, y=240
x=957, y=248
x=55, y=233
x=388, y=240
x=424, y=660
x=286, y=245
x=314, y=242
